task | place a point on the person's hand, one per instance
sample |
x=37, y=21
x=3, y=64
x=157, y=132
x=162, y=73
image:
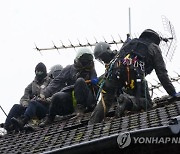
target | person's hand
x=25, y=103
x=174, y=97
x=42, y=97
x=48, y=100
x=176, y=94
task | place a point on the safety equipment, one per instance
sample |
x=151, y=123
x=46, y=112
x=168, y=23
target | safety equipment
x=55, y=70
x=151, y=35
x=103, y=52
x=84, y=59
x=82, y=51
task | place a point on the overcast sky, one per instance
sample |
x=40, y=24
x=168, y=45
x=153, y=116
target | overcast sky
x=24, y=23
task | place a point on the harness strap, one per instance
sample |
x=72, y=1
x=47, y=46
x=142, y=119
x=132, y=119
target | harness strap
x=103, y=104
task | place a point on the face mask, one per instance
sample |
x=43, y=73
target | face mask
x=40, y=75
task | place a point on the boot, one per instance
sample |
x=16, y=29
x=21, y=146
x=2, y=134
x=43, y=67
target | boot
x=2, y=125
x=120, y=109
x=79, y=109
x=124, y=103
x=9, y=128
x=19, y=123
x=48, y=120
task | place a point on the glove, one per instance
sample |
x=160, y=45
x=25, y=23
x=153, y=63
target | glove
x=176, y=94
x=94, y=81
x=174, y=97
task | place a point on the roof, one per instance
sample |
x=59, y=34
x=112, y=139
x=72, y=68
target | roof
x=67, y=135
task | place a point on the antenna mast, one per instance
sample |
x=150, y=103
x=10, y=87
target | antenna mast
x=130, y=21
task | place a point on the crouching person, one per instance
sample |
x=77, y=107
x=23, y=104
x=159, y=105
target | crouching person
x=76, y=86
x=124, y=82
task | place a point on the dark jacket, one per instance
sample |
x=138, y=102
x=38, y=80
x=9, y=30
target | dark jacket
x=67, y=77
x=34, y=89
x=153, y=60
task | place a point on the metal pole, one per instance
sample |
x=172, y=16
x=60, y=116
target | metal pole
x=130, y=22
x=3, y=110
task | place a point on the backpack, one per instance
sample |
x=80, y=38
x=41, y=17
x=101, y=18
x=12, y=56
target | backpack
x=130, y=67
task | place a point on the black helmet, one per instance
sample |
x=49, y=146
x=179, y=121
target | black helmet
x=84, y=59
x=55, y=70
x=151, y=35
x=103, y=52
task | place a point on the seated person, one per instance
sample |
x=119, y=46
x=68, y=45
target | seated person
x=73, y=89
x=29, y=105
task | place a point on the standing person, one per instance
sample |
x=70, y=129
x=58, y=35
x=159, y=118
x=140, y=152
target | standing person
x=75, y=83
x=29, y=105
x=127, y=70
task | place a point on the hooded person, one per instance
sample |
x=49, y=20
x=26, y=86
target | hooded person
x=41, y=72
x=73, y=90
x=55, y=70
x=29, y=106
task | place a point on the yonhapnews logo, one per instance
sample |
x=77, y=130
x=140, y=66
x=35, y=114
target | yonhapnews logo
x=124, y=140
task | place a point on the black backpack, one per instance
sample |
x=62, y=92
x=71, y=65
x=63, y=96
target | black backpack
x=132, y=65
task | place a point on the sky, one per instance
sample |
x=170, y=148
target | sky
x=44, y=22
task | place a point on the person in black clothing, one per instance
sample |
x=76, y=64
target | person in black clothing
x=29, y=106
x=126, y=80
x=73, y=89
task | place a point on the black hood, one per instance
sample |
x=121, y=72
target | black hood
x=40, y=67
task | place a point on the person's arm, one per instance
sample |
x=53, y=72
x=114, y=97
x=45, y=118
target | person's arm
x=24, y=101
x=57, y=83
x=161, y=71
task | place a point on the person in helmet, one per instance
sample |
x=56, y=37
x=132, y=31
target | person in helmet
x=55, y=71
x=103, y=52
x=29, y=105
x=137, y=58
x=72, y=90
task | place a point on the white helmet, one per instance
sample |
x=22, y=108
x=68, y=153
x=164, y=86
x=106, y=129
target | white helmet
x=82, y=51
x=84, y=59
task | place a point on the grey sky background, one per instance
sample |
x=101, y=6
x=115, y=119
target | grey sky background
x=24, y=23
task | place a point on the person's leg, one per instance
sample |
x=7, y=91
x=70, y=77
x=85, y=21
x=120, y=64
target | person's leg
x=81, y=91
x=84, y=96
x=61, y=104
x=36, y=108
x=125, y=102
x=16, y=111
x=107, y=99
x=98, y=114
